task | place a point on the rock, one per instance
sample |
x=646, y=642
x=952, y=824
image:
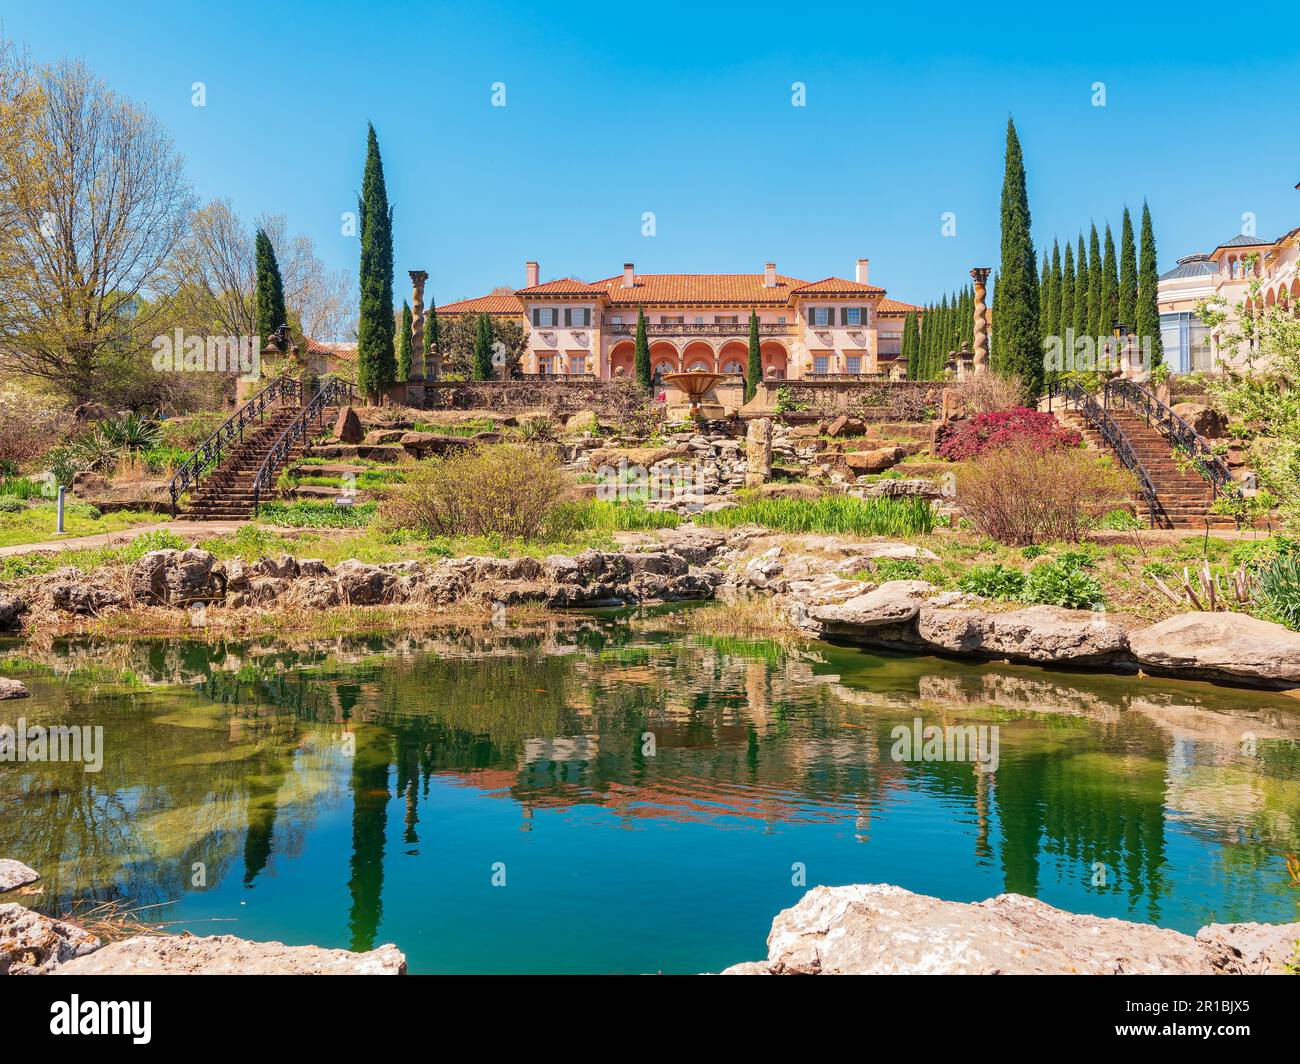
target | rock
x=900, y=551
x=582, y=421
x=758, y=452
x=285, y=567
x=11, y=610
x=228, y=955
x=32, y=944
x=364, y=585
x=384, y=435
x=1207, y=421
x=348, y=427
x=422, y=444
x=613, y=457
x=1220, y=646
x=1036, y=634
x=873, y=461
x=893, y=602
x=15, y=874
x=313, y=593
x=845, y=426
x=1250, y=949
x=772, y=490
x=93, y=412
x=879, y=929
x=190, y=578
x=10, y=688
x=149, y=577
x=696, y=545
x=69, y=590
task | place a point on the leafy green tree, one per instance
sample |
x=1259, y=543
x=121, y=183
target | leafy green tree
x=269, y=297
x=405, y=343
x=483, y=349
x=1019, y=345
x=643, y=371
x=1096, y=327
x=432, y=353
x=1148, y=305
x=1051, y=292
x=1128, y=279
x=754, y=370
x=911, y=349
x=1109, y=283
x=376, y=360
x=1081, y=323
x=1065, y=316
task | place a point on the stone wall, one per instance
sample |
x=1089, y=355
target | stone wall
x=870, y=400
x=558, y=396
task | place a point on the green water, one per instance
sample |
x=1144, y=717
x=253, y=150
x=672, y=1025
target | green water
x=490, y=800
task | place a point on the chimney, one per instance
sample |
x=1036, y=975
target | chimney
x=860, y=275
x=769, y=275
x=531, y=272
x=629, y=275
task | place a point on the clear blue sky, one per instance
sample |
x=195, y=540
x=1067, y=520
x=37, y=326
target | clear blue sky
x=684, y=110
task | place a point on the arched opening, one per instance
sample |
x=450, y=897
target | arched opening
x=663, y=358
x=622, y=359
x=733, y=358
x=698, y=356
x=775, y=361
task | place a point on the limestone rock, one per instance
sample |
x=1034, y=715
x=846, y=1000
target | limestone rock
x=1221, y=645
x=32, y=944
x=70, y=590
x=10, y=688
x=11, y=610
x=874, y=461
x=582, y=421
x=15, y=874
x=348, y=427
x=879, y=929
x=1038, y=634
x=758, y=452
x=845, y=426
x=1251, y=949
x=423, y=444
x=893, y=602
x=364, y=585
x=228, y=955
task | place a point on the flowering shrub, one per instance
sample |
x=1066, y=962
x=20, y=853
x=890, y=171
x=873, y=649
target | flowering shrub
x=985, y=432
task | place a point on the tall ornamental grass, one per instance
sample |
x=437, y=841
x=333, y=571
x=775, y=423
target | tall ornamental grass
x=835, y=514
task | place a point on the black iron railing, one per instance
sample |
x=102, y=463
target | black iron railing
x=1181, y=436
x=208, y=454
x=334, y=391
x=1099, y=417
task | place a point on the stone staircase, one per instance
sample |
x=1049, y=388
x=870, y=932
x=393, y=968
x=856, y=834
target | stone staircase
x=1183, y=495
x=226, y=494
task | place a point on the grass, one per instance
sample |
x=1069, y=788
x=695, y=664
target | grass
x=36, y=524
x=835, y=514
x=40, y=562
x=602, y=516
x=317, y=515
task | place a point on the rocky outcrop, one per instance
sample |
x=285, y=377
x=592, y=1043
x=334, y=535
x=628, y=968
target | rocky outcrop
x=873, y=461
x=1232, y=646
x=348, y=428
x=11, y=610
x=228, y=955
x=32, y=944
x=877, y=929
x=1038, y=634
x=892, y=603
x=425, y=444
x=1251, y=949
x=15, y=874
x=12, y=688
x=1205, y=420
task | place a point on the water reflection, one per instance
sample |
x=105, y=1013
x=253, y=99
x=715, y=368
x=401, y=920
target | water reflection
x=1172, y=803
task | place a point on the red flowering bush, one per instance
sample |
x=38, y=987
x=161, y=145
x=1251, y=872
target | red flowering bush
x=986, y=432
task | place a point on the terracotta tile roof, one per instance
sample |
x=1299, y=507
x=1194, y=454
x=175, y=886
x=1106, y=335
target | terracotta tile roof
x=838, y=286
x=492, y=304
x=347, y=351
x=707, y=288
x=565, y=286
x=896, y=306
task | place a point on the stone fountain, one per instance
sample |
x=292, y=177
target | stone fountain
x=696, y=384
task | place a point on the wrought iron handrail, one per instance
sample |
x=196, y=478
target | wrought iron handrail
x=1180, y=434
x=208, y=453
x=1099, y=417
x=332, y=390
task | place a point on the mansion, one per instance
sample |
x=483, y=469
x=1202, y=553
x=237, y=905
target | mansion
x=1227, y=273
x=700, y=321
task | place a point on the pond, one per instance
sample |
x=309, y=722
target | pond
x=611, y=793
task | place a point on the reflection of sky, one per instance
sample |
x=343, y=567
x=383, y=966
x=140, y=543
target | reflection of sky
x=616, y=862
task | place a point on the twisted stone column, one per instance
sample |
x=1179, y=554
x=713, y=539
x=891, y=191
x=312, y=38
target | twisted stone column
x=980, y=342
x=418, y=277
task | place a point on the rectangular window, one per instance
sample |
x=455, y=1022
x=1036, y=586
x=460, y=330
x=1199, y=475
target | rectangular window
x=544, y=317
x=852, y=315
x=577, y=317
x=544, y=365
x=853, y=363
x=821, y=364
x=726, y=319
x=699, y=319
x=577, y=365
x=821, y=316
x=780, y=320
x=616, y=319
x=668, y=319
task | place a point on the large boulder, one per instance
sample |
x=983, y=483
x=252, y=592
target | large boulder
x=874, y=461
x=32, y=944
x=758, y=452
x=645, y=457
x=70, y=590
x=11, y=610
x=894, y=602
x=879, y=929
x=15, y=874
x=845, y=426
x=1220, y=646
x=1207, y=421
x=228, y=955
x=1251, y=949
x=348, y=427
x=1036, y=634
x=10, y=688
x=360, y=584
x=424, y=444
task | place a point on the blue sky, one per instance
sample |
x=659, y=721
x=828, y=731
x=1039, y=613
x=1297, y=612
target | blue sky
x=685, y=110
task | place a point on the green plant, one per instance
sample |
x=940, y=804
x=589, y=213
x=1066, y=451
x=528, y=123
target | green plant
x=1120, y=520
x=995, y=581
x=897, y=569
x=785, y=401
x=11, y=504
x=1277, y=585
x=130, y=432
x=317, y=515
x=1061, y=583
x=834, y=514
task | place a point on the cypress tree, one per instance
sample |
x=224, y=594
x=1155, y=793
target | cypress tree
x=431, y=344
x=1128, y=273
x=1080, y=320
x=1019, y=350
x=405, y=341
x=753, y=371
x=269, y=293
x=483, y=349
x=1065, y=319
x=1095, y=325
x=1051, y=292
x=376, y=361
x=944, y=345
x=1110, y=281
x=995, y=349
x=1148, y=305
x=1045, y=298
x=911, y=340
x=642, y=360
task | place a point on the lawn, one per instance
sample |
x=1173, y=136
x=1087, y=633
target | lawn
x=36, y=524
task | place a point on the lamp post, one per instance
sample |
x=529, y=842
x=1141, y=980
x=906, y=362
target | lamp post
x=1121, y=332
